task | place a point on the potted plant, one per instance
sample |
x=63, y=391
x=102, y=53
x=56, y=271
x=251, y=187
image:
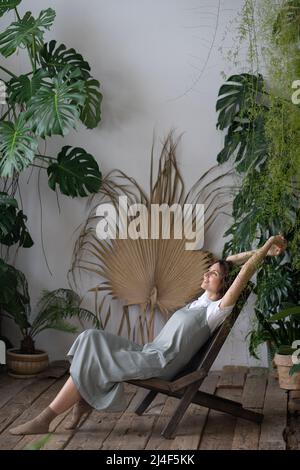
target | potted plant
x=287, y=330
x=54, y=310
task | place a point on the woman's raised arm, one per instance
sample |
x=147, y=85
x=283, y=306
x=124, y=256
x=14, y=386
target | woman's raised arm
x=240, y=258
x=249, y=268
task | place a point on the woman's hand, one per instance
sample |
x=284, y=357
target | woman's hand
x=278, y=246
x=273, y=247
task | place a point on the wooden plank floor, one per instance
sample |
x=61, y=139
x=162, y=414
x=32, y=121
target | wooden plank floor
x=256, y=388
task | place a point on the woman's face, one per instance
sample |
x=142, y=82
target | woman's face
x=212, y=279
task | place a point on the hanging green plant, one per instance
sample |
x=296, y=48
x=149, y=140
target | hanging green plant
x=262, y=141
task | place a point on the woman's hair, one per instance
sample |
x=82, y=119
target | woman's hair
x=227, y=268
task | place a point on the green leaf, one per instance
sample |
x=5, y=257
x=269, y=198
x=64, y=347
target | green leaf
x=39, y=444
x=91, y=110
x=294, y=369
x=286, y=26
x=21, y=89
x=55, y=108
x=55, y=307
x=16, y=231
x=285, y=313
x=14, y=296
x=76, y=172
x=285, y=350
x=239, y=92
x=245, y=138
x=26, y=32
x=54, y=59
x=12, y=223
x=17, y=146
x=7, y=5
x=6, y=200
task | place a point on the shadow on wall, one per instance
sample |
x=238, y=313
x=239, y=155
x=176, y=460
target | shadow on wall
x=123, y=97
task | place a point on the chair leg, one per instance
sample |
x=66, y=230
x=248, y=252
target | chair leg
x=170, y=430
x=145, y=402
x=227, y=406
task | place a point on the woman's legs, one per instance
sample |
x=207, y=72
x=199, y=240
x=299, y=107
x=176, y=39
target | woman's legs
x=67, y=397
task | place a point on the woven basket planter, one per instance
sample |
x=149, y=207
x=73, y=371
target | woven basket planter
x=284, y=363
x=26, y=365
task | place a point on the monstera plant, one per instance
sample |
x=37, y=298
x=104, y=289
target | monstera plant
x=52, y=96
x=48, y=99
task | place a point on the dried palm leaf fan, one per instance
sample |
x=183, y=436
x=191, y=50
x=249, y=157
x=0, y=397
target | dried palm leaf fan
x=155, y=274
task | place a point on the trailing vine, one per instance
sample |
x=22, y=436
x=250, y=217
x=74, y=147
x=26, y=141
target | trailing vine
x=263, y=140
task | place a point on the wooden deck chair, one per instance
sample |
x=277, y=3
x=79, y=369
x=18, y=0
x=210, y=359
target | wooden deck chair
x=185, y=385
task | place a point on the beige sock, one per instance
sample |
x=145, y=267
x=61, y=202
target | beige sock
x=38, y=425
x=79, y=409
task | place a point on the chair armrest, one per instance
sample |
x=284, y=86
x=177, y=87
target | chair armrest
x=187, y=379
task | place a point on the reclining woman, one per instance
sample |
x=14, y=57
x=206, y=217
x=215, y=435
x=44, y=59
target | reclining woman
x=102, y=361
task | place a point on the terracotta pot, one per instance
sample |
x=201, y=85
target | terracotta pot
x=286, y=381
x=26, y=365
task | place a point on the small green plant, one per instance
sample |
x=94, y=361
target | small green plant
x=55, y=308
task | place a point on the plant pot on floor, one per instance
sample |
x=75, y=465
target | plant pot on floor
x=284, y=363
x=26, y=365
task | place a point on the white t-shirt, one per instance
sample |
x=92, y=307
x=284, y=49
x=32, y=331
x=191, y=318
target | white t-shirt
x=215, y=314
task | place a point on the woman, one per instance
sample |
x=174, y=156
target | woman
x=101, y=361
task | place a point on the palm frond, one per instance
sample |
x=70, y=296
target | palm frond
x=157, y=274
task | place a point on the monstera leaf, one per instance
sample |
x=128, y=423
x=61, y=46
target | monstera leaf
x=14, y=295
x=237, y=95
x=6, y=5
x=26, y=32
x=53, y=59
x=8, y=207
x=21, y=89
x=247, y=140
x=12, y=223
x=54, y=109
x=17, y=146
x=76, y=172
x=91, y=110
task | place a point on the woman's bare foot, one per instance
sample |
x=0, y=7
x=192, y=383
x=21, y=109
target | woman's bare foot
x=80, y=408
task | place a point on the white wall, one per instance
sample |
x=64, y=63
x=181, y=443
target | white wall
x=157, y=71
